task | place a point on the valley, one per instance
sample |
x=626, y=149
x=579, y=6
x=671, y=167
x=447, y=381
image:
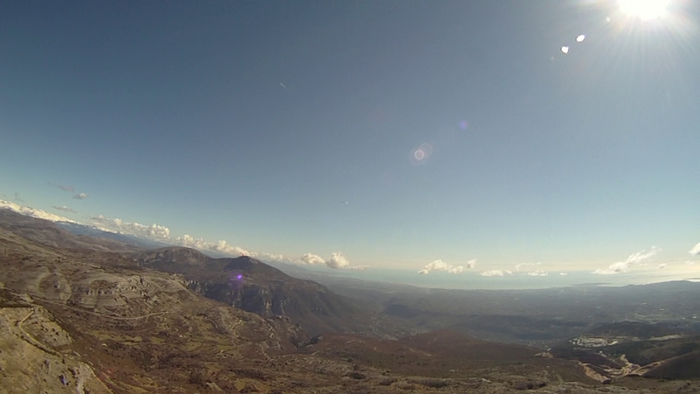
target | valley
x=89, y=315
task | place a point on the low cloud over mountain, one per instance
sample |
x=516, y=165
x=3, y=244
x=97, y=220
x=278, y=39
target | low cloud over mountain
x=35, y=213
x=155, y=232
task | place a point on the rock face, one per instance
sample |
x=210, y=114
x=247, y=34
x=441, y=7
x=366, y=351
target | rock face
x=254, y=286
x=26, y=334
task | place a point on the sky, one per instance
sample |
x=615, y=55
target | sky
x=453, y=138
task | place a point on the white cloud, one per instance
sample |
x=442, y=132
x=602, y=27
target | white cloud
x=222, y=246
x=695, y=251
x=538, y=273
x=191, y=242
x=336, y=261
x=63, y=208
x=662, y=265
x=689, y=262
x=154, y=231
x=35, y=213
x=312, y=259
x=225, y=247
x=439, y=265
x=563, y=273
x=274, y=257
x=80, y=196
x=624, y=266
x=496, y=273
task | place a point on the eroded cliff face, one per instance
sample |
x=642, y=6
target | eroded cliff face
x=256, y=287
x=252, y=298
x=126, y=296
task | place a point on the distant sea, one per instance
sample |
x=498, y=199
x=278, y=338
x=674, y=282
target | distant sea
x=517, y=280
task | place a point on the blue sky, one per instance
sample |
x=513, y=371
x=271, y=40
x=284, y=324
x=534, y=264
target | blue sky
x=294, y=127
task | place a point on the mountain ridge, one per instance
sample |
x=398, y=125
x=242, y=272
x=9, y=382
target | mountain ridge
x=254, y=286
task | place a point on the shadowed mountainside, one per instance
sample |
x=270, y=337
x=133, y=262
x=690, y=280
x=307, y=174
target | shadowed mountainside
x=254, y=286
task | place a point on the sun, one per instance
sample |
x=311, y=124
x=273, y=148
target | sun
x=644, y=9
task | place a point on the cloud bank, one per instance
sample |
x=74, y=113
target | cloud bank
x=336, y=261
x=633, y=260
x=439, y=265
x=224, y=247
x=154, y=231
x=312, y=259
x=35, y=213
x=538, y=273
x=497, y=273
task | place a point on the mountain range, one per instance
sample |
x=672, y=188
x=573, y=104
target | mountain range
x=88, y=314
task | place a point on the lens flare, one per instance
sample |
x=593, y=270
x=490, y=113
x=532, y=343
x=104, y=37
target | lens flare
x=421, y=154
x=644, y=9
x=235, y=280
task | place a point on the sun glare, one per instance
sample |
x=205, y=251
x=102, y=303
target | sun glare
x=644, y=9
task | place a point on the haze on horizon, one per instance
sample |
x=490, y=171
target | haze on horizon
x=490, y=140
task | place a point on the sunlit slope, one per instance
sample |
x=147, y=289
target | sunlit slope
x=70, y=321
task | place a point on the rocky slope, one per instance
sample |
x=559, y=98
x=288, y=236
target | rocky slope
x=49, y=233
x=254, y=286
x=75, y=321
x=68, y=317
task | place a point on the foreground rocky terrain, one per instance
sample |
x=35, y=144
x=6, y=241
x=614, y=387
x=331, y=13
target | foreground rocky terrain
x=89, y=320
